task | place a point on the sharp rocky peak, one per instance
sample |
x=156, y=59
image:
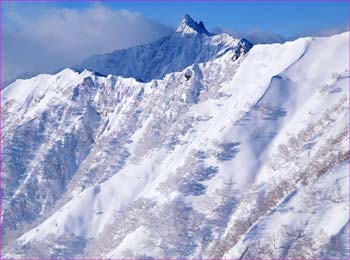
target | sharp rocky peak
x=189, y=26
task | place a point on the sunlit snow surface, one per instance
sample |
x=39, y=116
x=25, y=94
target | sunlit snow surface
x=247, y=157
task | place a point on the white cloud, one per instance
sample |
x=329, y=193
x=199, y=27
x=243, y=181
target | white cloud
x=43, y=38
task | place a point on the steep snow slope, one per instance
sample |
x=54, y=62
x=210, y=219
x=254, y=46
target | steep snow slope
x=190, y=43
x=231, y=158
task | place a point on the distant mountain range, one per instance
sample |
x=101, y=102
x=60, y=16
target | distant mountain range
x=190, y=43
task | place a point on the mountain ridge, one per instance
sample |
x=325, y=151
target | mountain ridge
x=189, y=26
x=222, y=159
x=190, y=43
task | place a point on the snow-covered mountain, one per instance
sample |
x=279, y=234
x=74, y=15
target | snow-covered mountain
x=239, y=156
x=190, y=43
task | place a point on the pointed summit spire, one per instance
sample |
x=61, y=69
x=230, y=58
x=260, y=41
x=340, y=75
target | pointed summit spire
x=189, y=26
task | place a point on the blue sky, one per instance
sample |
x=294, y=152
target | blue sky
x=43, y=37
x=287, y=18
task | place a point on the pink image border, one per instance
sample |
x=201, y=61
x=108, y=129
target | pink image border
x=147, y=1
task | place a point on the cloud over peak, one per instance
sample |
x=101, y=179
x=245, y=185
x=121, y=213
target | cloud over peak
x=44, y=38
